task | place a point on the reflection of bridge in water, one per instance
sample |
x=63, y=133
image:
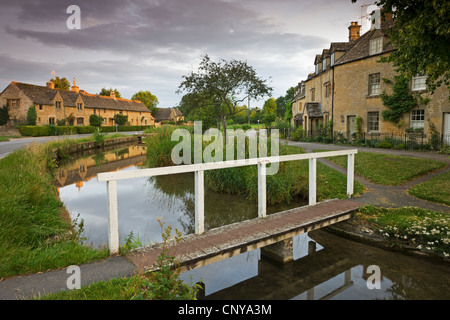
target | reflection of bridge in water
x=276, y=281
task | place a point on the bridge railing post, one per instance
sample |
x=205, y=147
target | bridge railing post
x=113, y=217
x=262, y=199
x=199, y=201
x=312, y=181
x=350, y=174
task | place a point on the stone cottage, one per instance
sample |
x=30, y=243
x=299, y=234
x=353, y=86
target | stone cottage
x=74, y=106
x=347, y=86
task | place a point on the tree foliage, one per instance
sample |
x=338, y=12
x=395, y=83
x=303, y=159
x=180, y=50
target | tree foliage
x=31, y=116
x=61, y=83
x=224, y=85
x=107, y=92
x=147, y=98
x=400, y=102
x=95, y=120
x=4, y=115
x=421, y=35
x=120, y=119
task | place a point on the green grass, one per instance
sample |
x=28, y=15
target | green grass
x=436, y=189
x=388, y=169
x=422, y=229
x=35, y=229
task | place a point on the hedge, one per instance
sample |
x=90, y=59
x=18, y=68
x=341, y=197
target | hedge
x=39, y=131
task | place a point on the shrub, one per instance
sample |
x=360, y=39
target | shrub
x=385, y=145
x=31, y=116
x=34, y=131
x=4, y=115
x=120, y=119
x=297, y=134
x=95, y=120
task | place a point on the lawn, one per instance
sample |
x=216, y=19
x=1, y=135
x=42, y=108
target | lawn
x=436, y=189
x=389, y=169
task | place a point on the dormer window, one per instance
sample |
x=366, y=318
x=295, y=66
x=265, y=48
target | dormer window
x=324, y=64
x=332, y=59
x=317, y=68
x=376, y=46
x=80, y=106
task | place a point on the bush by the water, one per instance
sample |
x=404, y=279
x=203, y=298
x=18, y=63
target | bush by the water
x=291, y=180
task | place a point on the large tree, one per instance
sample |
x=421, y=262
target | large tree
x=224, y=85
x=147, y=98
x=421, y=35
x=61, y=83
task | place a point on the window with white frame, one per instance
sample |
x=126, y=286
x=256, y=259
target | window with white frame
x=419, y=83
x=376, y=46
x=332, y=59
x=374, y=84
x=373, y=121
x=324, y=64
x=317, y=68
x=417, y=118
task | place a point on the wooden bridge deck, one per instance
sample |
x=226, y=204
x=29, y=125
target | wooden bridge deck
x=221, y=243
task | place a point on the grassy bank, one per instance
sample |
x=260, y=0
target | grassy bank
x=389, y=169
x=36, y=233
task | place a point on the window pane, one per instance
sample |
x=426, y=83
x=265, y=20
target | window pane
x=373, y=121
x=374, y=84
x=419, y=83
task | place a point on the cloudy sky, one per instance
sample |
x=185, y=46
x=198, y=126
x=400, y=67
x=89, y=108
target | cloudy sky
x=137, y=45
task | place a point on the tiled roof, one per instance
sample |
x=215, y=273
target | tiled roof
x=46, y=96
x=105, y=102
x=360, y=47
x=37, y=94
x=162, y=114
x=313, y=110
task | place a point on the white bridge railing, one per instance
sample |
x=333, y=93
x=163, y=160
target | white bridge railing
x=111, y=179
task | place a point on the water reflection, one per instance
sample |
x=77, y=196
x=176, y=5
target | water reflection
x=337, y=269
x=142, y=200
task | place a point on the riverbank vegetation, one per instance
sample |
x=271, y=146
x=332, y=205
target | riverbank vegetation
x=36, y=233
x=411, y=228
x=291, y=180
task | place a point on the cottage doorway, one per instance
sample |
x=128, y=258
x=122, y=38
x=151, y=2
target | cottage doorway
x=351, y=125
x=446, y=132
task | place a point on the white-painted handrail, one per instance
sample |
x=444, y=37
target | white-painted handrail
x=111, y=179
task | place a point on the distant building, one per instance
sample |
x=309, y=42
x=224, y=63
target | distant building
x=74, y=106
x=348, y=82
x=168, y=114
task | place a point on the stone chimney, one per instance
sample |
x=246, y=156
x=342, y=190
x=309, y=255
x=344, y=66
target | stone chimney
x=74, y=87
x=50, y=85
x=354, y=31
